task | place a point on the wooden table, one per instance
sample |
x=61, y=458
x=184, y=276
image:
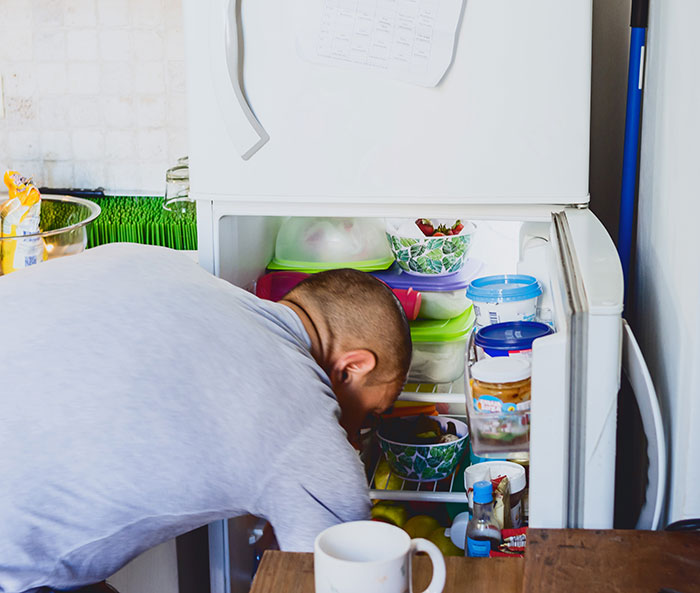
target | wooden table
x=556, y=561
x=611, y=561
x=286, y=572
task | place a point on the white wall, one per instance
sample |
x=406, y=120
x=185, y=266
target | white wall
x=667, y=287
x=94, y=91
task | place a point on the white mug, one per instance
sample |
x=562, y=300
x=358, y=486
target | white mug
x=371, y=557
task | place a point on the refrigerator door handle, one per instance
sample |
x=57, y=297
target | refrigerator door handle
x=225, y=39
x=635, y=368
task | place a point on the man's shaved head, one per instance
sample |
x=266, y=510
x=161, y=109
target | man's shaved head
x=358, y=312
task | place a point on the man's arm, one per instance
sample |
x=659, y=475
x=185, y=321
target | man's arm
x=313, y=490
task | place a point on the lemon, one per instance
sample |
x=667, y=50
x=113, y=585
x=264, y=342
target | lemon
x=384, y=479
x=443, y=542
x=391, y=512
x=421, y=526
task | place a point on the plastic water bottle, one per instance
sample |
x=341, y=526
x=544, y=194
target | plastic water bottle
x=482, y=534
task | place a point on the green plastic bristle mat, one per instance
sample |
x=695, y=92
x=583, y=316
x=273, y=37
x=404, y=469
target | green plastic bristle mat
x=143, y=220
x=57, y=215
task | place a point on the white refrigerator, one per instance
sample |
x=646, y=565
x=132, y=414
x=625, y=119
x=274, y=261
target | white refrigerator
x=474, y=109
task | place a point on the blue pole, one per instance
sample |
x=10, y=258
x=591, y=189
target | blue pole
x=631, y=147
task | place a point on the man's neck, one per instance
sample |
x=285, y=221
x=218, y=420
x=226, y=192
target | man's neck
x=311, y=329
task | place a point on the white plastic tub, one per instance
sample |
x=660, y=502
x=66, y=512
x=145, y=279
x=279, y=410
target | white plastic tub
x=507, y=297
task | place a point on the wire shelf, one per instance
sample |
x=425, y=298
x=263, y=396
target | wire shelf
x=435, y=393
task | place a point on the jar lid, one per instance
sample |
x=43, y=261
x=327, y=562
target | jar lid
x=493, y=469
x=504, y=288
x=511, y=335
x=503, y=369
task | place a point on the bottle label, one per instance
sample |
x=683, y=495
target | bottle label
x=493, y=404
x=478, y=548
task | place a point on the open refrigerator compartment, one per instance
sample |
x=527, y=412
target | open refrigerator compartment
x=449, y=489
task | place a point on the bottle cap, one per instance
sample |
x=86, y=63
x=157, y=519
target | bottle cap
x=483, y=492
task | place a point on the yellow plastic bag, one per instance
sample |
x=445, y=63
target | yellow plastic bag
x=19, y=215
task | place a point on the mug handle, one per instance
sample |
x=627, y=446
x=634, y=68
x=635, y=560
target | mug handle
x=437, y=583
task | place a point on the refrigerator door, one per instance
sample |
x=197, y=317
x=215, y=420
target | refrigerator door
x=635, y=368
x=508, y=123
x=580, y=440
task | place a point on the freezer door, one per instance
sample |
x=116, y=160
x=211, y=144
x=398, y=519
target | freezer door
x=508, y=123
x=591, y=284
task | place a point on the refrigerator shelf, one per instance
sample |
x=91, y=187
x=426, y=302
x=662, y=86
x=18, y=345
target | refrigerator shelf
x=440, y=491
x=435, y=393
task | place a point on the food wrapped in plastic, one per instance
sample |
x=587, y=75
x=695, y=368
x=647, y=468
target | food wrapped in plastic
x=19, y=217
x=316, y=243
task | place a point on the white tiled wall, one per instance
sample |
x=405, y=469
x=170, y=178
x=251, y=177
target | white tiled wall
x=94, y=92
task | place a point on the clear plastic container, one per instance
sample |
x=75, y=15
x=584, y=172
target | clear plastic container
x=311, y=244
x=439, y=348
x=498, y=405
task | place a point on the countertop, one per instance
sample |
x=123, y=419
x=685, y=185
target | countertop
x=557, y=560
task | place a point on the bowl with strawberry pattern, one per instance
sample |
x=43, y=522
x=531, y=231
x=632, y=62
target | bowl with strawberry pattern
x=430, y=247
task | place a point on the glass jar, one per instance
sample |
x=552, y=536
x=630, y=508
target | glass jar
x=501, y=385
x=177, y=187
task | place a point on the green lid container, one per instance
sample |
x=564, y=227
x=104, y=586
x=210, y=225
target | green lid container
x=443, y=330
x=314, y=267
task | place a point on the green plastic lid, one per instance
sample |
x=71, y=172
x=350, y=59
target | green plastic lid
x=313, y=267
x=443, y=330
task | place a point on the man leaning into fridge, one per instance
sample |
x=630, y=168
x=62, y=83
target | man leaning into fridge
x=144, y=397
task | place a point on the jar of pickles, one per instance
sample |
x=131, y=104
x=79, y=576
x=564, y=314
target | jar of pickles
x=501, y=384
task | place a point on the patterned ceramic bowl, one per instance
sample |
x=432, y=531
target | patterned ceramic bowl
x=431, y=256
x=426, y=463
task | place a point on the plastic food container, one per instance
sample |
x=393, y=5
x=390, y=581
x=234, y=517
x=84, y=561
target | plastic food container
x=308, y=244
x=444, y=297
x=506, y=297
x=512, y=338
x=499, y=405
x=432, y=256
x=491, y=470
x=275, y=285
x=439, y=348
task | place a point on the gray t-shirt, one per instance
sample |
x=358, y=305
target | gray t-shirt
x=141, y=397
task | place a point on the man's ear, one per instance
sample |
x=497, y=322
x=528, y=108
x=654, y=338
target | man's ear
x=352, y=365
